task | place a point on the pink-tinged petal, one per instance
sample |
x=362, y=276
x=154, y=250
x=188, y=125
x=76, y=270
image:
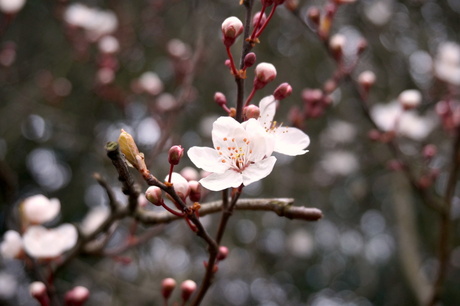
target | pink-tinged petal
x=261, y=143
x=224, y=129
x=267, y=108
x=207, y=159
x=258, y=171
x=221, y=181
x=291, y=141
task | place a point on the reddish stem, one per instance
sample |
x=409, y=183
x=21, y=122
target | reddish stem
x=251, y=95
x=256, y=26
x=272, y=12
x=232, y=62
x=179, y=214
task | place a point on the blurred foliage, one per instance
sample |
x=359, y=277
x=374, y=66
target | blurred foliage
x=56, y=118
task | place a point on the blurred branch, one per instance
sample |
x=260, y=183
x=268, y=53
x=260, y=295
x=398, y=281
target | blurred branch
x=445, y=222
x=408, y=237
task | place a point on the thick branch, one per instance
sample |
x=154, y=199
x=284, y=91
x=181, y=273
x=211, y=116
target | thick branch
x=282, y=207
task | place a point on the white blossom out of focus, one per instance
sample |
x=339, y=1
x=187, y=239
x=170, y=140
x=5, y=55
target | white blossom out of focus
x=407, y=123
x=11, y=6
x=150, y=83
x=180, y=184
x=340, y=163
x=11, y=246
x=42, y=243
x=447, y=63
x=93, y=219
x=96, y=22
x=38, y=209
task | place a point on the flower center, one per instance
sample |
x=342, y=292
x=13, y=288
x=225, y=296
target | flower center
x=236, y=153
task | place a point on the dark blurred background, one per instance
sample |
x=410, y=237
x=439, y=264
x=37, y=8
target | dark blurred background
x=65, y=92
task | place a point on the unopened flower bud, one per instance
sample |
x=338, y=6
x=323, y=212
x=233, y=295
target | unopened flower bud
x=232, y=27
x=256, y=17
x=410, y=99
x=129, y=148
x=362, y=46
x=314, y=15
x=312, y=96
x=220, y=98
x=77, y=296
x=366, y=79
x=187, y=288
x=429, y=151
x=249, y=59
x=251, y=111
x=167, y=287
x=180, y=185
x=38, y=291
x=265, y=73
x=175, y=154
x=195, y=191
x=223, y=253
x=154, y=195
x=190, y=174
x=336, y=45
x=291, y=5
x=283, y=91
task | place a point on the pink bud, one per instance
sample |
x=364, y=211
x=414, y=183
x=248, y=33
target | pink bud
x=77, y=296
x=180, y=185
x=167, y=287
x=283, y=91
x=190, y=174
x=187, y=287
x=175, y=154
x=232, y=27
x=249, y=59
x=410, y=99
x=314, y=15
x=336, y=45
x=39, y=292
x=251, y=111
x=312, y=96
x=366, y=79
x=256, y=17
x=429, y=151
x=195, y=191
x=265, y=73
x=220, y=98
x=223, y=253
x=154, y=195
x=292, y=5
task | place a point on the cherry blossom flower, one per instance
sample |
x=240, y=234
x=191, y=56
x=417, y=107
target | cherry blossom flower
x=241, y=154
x=43, y=243
x=11, y=6
x=392, y=117
x=39, y=209
x=11, y=246
x=287, y=140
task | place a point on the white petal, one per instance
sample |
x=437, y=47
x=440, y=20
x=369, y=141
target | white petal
x=261, y=142
x=224, y=129
x=267, y=108
x=221, y=181
x=291, y=141
x=207, y=159
x=258, y=171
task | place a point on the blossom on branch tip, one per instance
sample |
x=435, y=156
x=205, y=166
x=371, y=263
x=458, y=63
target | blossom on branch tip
x=241, y=154
x=39, y=209
x=287, y=140
x=410, y=99
x=43, y=243
x=265, y=73
x=11, y=246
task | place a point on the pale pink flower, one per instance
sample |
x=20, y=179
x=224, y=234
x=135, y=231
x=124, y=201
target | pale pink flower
x=265, y=72
x=287, y=140
x=39, y=209
x=93, y=219
x=447, y=63
x=410, y=98
x=232, y=27
x=11, y=246
x=43, y=243
x=180, y=184
x=241, y=154
x=11, y=6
